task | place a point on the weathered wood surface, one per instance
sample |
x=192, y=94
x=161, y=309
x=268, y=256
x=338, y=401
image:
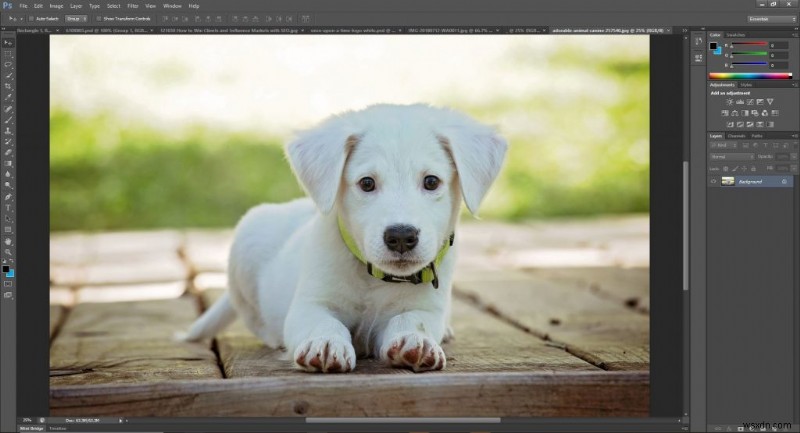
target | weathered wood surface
x=157, y=268
x=597, y=330
x=482, y=344
x=116, y=258
x=129, y=342
x=573, y=394
x=207, y=251
x=542, y=313
x=82, y=248
x=627, y=286
x=591, y=242
x=56, y=314
x=131, y=292
x=62, y=296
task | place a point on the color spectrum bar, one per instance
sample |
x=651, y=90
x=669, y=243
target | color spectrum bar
x=749, y=53
x=749, y=75
x=759, y=43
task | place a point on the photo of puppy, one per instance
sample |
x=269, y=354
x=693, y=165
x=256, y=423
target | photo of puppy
x=368, y=271
x=461, y=224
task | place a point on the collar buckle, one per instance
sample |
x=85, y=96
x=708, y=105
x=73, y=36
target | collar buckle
x=413, y=279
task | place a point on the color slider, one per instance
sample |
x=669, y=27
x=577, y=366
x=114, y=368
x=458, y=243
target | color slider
x=749, y=75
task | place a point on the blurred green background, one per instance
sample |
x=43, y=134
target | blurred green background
x=578, y=128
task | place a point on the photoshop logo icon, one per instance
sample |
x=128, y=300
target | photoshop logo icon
x=7, y=5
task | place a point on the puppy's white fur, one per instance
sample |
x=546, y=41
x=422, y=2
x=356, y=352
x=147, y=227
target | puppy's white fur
x=295, y=283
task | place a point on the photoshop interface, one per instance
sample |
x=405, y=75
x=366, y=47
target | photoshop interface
x=636, y=266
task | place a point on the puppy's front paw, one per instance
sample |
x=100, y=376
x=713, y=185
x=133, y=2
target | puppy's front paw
x=413, y=351
x=328, y=355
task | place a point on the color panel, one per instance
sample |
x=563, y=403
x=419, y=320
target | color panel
x=749, y=75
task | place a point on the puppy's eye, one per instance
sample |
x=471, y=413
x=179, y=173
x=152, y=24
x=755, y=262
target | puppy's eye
x=367, y=184
x=431, y=183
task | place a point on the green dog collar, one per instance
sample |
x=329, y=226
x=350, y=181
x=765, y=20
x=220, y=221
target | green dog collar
x=425, y=275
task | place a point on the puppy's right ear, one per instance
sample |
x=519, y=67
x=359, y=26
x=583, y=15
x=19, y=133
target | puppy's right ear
x=318, y=156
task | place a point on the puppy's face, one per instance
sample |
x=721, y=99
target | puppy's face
x=399, y=197
x=395, y=175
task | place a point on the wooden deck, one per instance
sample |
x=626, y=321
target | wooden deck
x=551, y=319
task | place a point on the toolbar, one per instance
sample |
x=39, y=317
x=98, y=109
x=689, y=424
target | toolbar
x=8, y=132
x=152, y=18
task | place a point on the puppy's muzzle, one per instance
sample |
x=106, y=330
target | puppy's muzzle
x=401, y=238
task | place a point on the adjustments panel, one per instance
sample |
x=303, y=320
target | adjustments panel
x=753, y=102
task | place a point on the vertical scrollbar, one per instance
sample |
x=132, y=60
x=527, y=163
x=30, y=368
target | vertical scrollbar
x=685, y=225
x=686, y=321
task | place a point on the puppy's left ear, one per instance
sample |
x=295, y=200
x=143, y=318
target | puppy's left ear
x=478, y=152
x=318, y=156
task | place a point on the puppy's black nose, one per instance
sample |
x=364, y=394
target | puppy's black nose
x=401, y=237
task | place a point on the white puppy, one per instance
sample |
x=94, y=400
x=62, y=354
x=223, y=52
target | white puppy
x=369, y=271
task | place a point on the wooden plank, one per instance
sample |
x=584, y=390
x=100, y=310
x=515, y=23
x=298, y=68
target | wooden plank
x=69, y=248
x=482, y=344
x=113, y=246
x=129, y=342
x=62, y=296
x=81, y=248
x=131, y=292
x=56, y=314
x=210, y=280
x=600, y=331
x=242, y=354
x=628, y=286
x=597, y=232
x=130, y=319
x=154, y=268
x=207, y=250
x=522, y=394
x=603, y=241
